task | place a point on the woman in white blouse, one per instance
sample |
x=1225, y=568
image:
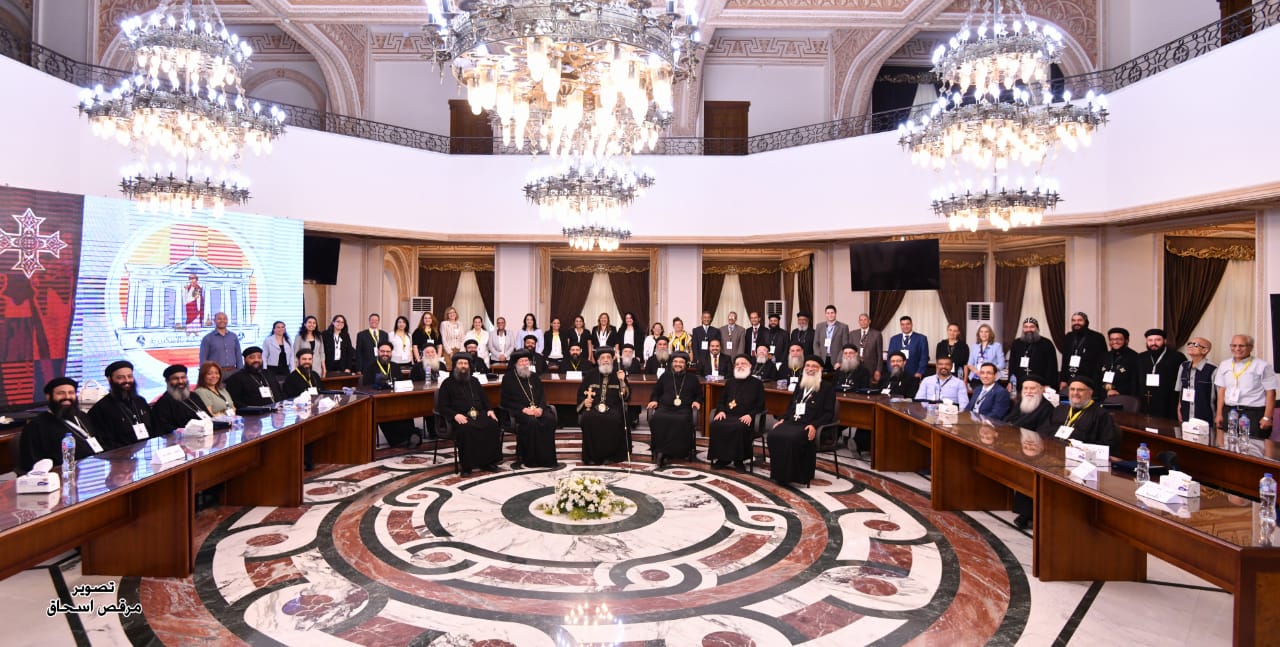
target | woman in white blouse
x=401, y=342
x=478, y=333
x=655, y=331
x=529, y=327
x=451, y=333
x=986, y=350
x=629, y=332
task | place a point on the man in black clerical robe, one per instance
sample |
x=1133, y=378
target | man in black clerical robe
x=176, y=407
x=1120, y=367
x=1032, y=410
x=381, y=374
x=1158, y=377
x=537, y=363
x=897, y=382
x=1084, y=351
x=1032, y=354
x=463, y=403
x=42, y=437
x=252, y=387
x=676, y=395
x=535, y=422
x=661, y=357
x=793, y=440
x=303, y=379
x=853, y=375
x=122, y=417
x=763, y=367
x=741, y=399
x=602, y=399
x=1088, y=421
x=478, y=365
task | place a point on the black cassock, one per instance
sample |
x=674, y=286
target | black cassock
x=113, y=419
x=671, y=426
x=792, y=456
x=479, y=440
x=246, y=386
x=42, y=438
x=604, y=437
x=170, y=413
x=298, y=383
x=535, y=437
x=730, y=439
x=1161, y=400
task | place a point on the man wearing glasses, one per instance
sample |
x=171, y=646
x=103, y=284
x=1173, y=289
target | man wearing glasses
x=1248, y=385
x=1197, y=396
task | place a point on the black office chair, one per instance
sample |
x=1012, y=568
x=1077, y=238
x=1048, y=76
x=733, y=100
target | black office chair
x=757, y=431
x=507, y=424
x=445, y=431
x=1127, y=403
x=828, y=440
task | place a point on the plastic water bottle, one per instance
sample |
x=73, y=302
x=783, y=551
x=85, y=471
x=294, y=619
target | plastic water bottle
x=1144, y=463
x=1267, y=493
x=1233, y=423
x=69, y=454
x=1244, y=430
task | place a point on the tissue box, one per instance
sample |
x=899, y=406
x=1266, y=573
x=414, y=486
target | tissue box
x=39, y=501
x=1195, y=426
x=1181, y=483
x=325, y=404
x=39, y=482
x=948, y=409
x=198, y=427
x=1084, y=452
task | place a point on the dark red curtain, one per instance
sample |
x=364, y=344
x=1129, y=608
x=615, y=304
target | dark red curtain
x=883, y=304
x=712, y=285
x=960, y=284
x=631, y=290
x=758, y=288
x=1053, y=287
x=485, y=279
x=1189, y=286
x=1011, y=284
x=442, y=285
x=568, y=295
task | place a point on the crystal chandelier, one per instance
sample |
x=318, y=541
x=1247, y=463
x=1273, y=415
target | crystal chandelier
x=580, y=78
x=159, y=192
x=184, y=96
x=996, y=106
x=584, y=190
x=1002, y=206
x=587, y=237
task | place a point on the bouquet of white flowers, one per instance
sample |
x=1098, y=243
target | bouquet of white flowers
x=584, y=497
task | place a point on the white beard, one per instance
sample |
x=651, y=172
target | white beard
x=850, y=364
x=761, y=360
x=662, y=355
x=523, y=372
x=794, y=363
x=1027, y=405
x=742, y=373
x=811, y=382
x=605, y=368
x=179, y=394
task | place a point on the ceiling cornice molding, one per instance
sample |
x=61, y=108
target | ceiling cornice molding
x=768, y=50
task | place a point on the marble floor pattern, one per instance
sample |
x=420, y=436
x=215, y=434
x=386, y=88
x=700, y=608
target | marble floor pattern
x=403, y=551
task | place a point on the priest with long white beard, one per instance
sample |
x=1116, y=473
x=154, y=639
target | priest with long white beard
x=523, y=398
x=601, y=399
x=661, y=357
x=676, y=395
x=740, y=400
x=793, y=439
x=1033, y=409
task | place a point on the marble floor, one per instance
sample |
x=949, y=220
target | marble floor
x=403, y=551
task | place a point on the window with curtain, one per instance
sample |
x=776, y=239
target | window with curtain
x=468, y=302
x=1020, y=287
x=467, y=285
x=731, y=300
x=600, y=299
x=1209, y=292
x=739, y=286
x=1231, y=312
x=927, y=317
x=621, y=285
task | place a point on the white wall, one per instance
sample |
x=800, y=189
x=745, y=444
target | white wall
x=64, y=27
x=781, y=96
x=1132, y=267
x=515, y=283
x=1133, y=27
x=414, y=95
x=679, y=286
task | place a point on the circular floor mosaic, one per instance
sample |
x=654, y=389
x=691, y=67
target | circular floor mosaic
x=403, y=551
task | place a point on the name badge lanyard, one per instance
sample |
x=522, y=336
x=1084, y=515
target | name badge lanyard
x=305, y=378
x=1073, y=417
x=266, y=385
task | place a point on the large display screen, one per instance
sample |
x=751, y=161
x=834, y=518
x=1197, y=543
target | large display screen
x=149, y=286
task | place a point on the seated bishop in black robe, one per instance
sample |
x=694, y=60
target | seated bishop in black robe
x=601, y=407
x=675, y=396
x=792, y=450
x=171, y=413
x=246, y=388
x=730, y=436
x=765, y=371
x=300, y=382
x=463, y=403
x=122, y=417
x=535, y=422
x=42, y=436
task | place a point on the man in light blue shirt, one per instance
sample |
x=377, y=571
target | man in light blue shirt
x=943, y=386
x=222, y=347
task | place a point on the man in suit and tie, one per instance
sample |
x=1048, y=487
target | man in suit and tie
x=713, y=362
x=912, y=344
x=368, y=341
x=870, y=346
x=734, y=337
x=755, y=334
x=989, y=399
x=829, y=339
x=702, y=336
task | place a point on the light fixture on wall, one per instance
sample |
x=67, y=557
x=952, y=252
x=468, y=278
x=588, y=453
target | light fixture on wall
x=1001, y=203
x=997, y=105
x=588, y=198
x=173, y=193
x=582, y=78
x=184, y=95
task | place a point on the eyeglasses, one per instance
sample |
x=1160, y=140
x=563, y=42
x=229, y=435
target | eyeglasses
x=1195, y=344
x=1242, y=345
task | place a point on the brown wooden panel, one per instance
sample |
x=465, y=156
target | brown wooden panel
x=892, y=449
x=1067, y=546
x=956, y=485
x=345, y=435
x=1258, y=587
x=335, y=382
x=725, y=127
x=1189, y=551
x=389, y=406
x=278, y=479
x=48, y=536
x=157, y=541
x=222, y=467
x=1017, y=476
x=469, y=133
x=856, y=413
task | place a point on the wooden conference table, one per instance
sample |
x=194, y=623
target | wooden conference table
x=130, y=516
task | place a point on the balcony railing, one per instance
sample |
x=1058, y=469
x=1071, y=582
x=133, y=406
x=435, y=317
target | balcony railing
x=1259, y=16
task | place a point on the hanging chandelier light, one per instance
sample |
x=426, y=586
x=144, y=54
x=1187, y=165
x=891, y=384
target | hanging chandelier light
x=998, y=203
x=588, y=199
x=160, y=192
x=997, y=106
x=184, y=95
x=585, y=238
x=581, y=78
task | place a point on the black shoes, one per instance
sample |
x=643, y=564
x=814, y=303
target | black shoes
x=659, y=459
x=1022, y=521
x=740, y=466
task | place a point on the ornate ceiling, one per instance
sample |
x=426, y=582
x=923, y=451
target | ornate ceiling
x=851, y=38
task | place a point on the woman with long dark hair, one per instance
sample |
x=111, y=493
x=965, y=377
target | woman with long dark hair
x=311, y=338
x=339, y=354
